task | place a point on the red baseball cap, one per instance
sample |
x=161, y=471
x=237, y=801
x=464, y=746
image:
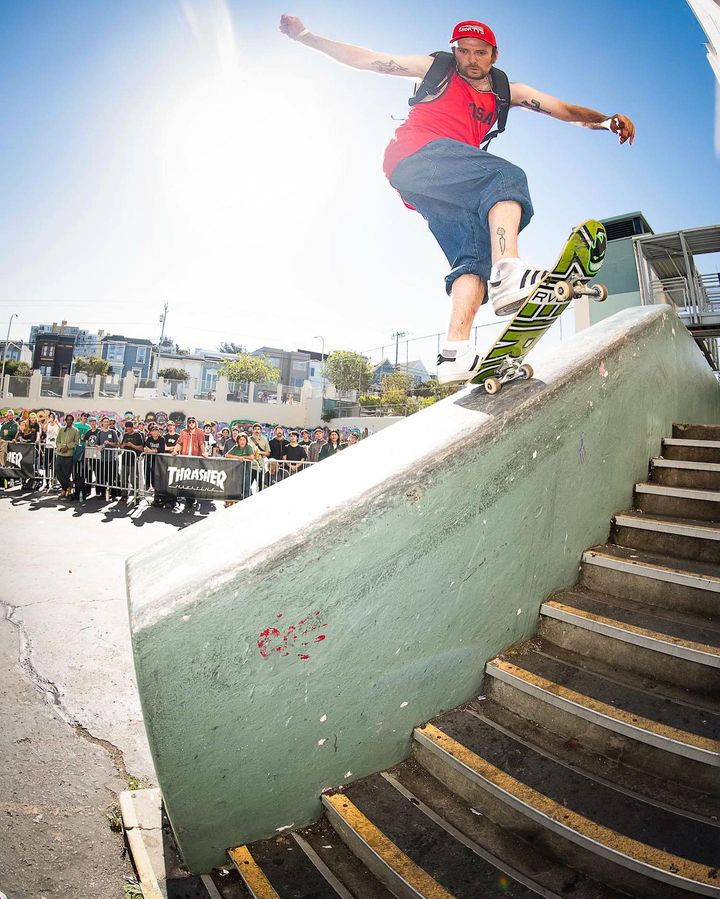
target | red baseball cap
x=473, y=29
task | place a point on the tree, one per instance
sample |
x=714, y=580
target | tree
x=433, y=388
x=395, y=387
x=249, y=368
x=348, y=370
x=17, y=369
x=227, y=346
x=173, y=374
x=91, y=365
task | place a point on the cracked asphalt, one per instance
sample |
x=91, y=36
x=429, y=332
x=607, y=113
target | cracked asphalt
x=71, y=729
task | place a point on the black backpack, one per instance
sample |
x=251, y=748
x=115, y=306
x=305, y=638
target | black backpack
x=438, y=76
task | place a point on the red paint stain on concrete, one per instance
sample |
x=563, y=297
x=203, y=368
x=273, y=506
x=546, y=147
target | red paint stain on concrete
x=273, y=640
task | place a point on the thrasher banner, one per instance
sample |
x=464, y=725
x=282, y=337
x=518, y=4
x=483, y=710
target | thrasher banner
x=198, y=477
x=19, y=462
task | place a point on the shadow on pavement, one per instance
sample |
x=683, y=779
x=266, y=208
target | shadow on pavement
x=109, y=510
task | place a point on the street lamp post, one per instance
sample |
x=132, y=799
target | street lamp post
x=7, y=340
x=163, y=319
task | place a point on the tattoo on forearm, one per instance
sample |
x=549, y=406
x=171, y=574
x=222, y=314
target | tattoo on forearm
x=535, y=106
x=501, y=239
x=388, y=66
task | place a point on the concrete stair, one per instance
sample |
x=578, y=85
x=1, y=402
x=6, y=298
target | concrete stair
x=590, y=764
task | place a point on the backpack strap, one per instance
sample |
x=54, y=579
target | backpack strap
x=501, y=89
x=436, y=77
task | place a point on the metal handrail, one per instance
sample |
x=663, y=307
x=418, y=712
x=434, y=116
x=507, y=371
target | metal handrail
x=695, y=298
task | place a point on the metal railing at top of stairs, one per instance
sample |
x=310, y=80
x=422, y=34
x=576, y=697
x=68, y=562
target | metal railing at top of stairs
x=697, y=299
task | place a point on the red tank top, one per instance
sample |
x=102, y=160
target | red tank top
x=460, y=113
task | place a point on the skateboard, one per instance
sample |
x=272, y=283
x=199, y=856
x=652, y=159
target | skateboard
x=579, y=261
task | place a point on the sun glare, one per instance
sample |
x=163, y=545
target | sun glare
x=243, y=167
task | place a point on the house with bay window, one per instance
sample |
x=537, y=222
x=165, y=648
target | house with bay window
x=127, y=355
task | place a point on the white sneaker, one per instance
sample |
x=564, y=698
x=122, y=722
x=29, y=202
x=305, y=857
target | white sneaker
x=457, y=365
x=511, y=282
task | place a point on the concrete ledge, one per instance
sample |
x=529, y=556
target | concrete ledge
x=292, y=644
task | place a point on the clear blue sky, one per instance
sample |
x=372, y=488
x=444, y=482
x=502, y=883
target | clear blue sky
x=187, y=152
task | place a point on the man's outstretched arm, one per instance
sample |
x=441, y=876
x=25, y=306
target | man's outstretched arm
x=357, y=57
x=527, y=97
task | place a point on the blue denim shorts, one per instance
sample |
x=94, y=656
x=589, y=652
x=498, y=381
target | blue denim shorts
x=454, y=186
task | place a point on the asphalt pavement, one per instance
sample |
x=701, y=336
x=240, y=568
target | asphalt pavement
x=71, y=728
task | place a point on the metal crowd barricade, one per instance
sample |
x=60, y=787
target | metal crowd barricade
x=45, y=463
x=114, y=470
x=125, y=471
x=276, y=470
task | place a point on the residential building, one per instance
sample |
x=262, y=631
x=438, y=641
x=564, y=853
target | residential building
x=292, y=365
x=17, y=351
x=202, y=368
x=88, y=343
x=54, y=328
x=126, y=355
x=53, y=353
x=316, y=368
x=416, y=369
x=382, y=370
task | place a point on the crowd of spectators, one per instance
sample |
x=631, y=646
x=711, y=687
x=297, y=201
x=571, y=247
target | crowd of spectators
x=80, y=456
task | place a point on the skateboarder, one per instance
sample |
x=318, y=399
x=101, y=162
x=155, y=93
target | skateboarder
x=475, y=203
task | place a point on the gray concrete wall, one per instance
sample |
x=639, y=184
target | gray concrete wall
x=619, y=275
x=292, y=644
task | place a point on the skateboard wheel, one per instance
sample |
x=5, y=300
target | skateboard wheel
x=527, y=371
x=563, y=291
x=600, y=293
x=492, y=385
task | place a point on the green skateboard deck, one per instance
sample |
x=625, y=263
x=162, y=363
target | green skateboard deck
x=579, y=261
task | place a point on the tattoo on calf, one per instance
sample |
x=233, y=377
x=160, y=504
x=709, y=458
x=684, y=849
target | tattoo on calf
x=501, y=239
x=535, y=106
x=387, y=66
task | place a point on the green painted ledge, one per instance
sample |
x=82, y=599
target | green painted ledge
x=415, y=556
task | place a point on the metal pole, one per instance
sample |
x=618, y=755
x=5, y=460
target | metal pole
x=646, y=295
x=397, y=335
x=162, y=335
x=695, y=300
x=7, y=340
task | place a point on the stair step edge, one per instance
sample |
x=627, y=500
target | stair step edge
x=676, y=526
x=712, y=496
x=633, y=726
x=345, y=816
x=661, y=462
x=653, y=570
x=548, y=813
x=680, y=441
x=629, y=633
x=252, y=874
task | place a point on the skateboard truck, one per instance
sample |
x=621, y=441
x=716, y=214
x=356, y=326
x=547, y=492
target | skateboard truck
x=566, y=290
x=508, y=373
